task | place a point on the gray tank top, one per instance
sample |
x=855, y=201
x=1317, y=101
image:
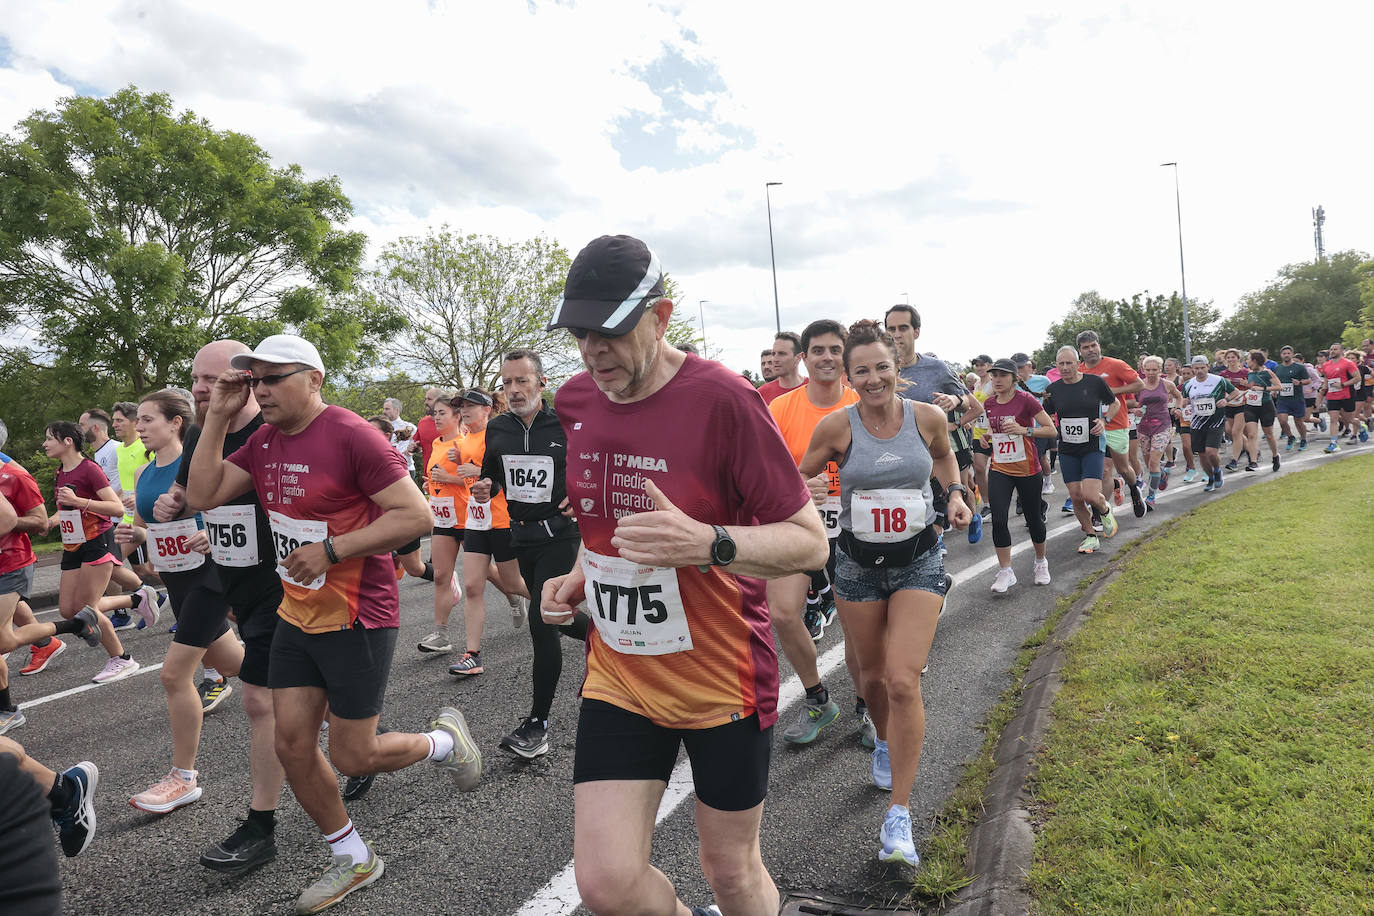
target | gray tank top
x=900, y=463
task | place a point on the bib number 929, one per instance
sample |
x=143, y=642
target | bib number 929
x=640, y=603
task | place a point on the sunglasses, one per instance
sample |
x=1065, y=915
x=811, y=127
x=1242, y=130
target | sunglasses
x=271, y=381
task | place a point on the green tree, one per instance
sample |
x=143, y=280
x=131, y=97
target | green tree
x=131, y=234
x=1128, y=327
x=1307, y=306
x=1363, y=325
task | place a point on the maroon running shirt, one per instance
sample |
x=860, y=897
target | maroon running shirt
x=684, y=648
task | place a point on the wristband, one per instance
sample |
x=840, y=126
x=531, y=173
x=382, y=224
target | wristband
x=329, y=550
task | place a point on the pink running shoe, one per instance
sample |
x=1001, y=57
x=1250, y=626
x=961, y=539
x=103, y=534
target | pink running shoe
x=116, y=669
x=169, y=794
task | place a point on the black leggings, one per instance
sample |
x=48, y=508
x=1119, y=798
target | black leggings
x=538, y=564
x=1000, y=487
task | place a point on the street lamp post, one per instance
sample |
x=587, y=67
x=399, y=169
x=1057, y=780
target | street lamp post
x=1182, y=276
x=701, y=313
x=777, y=312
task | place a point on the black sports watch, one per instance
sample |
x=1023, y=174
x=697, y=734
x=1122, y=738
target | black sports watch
x=723, y=548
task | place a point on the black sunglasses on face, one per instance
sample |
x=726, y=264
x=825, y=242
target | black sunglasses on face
x=271, y=381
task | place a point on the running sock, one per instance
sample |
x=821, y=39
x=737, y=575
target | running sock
x=428, y=574
x=5, y=703
x=127, y=657
x=347, y=842
x=72, y=626
x=1154, y=481
x=62, y=792
x=45, y=641
x=440, y=744
x=860, y=707
x=266, y=820
x=212, y=674
x=818, y=695
x=187, y=775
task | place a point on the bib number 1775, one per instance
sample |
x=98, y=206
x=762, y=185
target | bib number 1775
x=640, y=603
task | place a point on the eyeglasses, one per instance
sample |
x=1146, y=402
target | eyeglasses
x=271, y=381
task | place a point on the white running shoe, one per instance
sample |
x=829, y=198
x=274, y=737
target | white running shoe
x=1005, y=580
x=519, y=610
x=1047, y=486
x=148, y=608
x=116, y=669
x=1042, y=572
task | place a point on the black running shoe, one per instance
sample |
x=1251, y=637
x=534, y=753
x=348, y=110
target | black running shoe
x=356, y=787
x=243, y=850
x=1137, y=501
x=815, y=622
x=1276, y=462
x=529, y=740
x=76, y=822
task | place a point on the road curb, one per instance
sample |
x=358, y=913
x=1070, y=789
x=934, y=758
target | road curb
x=1002, y=843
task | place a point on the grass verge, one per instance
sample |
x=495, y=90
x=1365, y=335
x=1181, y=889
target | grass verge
x=1213, y=745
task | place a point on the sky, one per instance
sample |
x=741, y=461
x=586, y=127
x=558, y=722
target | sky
x=984, y=162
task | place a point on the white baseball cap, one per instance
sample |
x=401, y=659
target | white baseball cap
x=281, y=349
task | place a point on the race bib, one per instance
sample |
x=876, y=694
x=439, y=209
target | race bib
x=887, y=516
x=1286, y=390
x=1254, y=397
x=444, y=512
x=479, y=515
x=830, y=515
x=1204, y=407
x=1133, y=421
x=980, y=425
x=529, y=478
x=167, y=546
x=1188, y=413
x=290, y=533
x=1074, y=430
x=1008, y=449
x=1335, y=384
x=69, y=523
x=233, y=534
x=636, y=609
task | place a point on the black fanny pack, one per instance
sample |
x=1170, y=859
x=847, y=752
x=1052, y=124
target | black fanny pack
x=528, y=534
x=881, y=555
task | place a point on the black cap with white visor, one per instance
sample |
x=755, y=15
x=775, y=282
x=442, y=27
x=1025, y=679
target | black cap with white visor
x=610, y=284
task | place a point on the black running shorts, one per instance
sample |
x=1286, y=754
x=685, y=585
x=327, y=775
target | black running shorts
x=351, y=666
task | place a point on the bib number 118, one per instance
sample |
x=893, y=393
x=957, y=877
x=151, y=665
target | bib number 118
x=889, y=520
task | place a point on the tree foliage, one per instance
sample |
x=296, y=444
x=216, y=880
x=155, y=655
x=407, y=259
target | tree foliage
x=1363, y=324
x=1127, y=327
x=1307, y=306
x=131, y=234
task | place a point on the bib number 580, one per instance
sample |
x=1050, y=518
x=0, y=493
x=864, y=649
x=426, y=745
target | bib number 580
x=641, y=603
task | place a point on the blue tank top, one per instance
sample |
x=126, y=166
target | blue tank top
x=154, y=482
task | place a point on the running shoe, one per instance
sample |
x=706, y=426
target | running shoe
x=1067, y=508
x=1219, y=481
x=1322, y=424
x=829, y=612
x=1211, y=485
x=148, y=607
x=1042, y=572
x=1289, y=446
x=815, y=623
x=529, y=740
x=1117, y=496
x=1149, y=503
x=39, y=658
x=242, y=851
x=339, y=880
x=437, y=641
x=1137, y=500
x=121, y=621
x=1253, y=467
x=1006, y=578
x=1090, y=545
x=1275, y=463
x=11, y=719
x=172, y=628
x=895, y=836
x=212, y=693
x=712, y=910
x=76, y=822
x=1302, y=446
x=1047, y=487
x=1190, y=475
x=464, y=763
x=868, y=732
x=1109, y=524
x=1163, y=480
x=1097, y=519
x=167, y=794
x=810, y=720
x=985, y=510
x=469, y=664
x=1364, y=435
x=355, y=787
x=116, y=669
x=975, y=529
x=1232, y=465
x=91, y=618
x=882, y=766
x=519, y=610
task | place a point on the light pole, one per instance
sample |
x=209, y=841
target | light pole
x=701, y=313
x=906, y=298
x=777, y=312
x=1182, y=276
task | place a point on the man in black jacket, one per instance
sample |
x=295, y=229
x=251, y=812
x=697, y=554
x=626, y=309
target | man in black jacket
x=526, y=457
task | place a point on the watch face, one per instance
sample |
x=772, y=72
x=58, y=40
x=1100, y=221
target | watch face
x=724, y=550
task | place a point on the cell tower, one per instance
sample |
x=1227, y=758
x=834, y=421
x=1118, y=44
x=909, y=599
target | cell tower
x=1318, y=218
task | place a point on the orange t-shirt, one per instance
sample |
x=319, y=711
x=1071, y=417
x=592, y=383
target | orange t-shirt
x=797, y=418
x=438, y=458
x=1116, y=374
x=473, y=449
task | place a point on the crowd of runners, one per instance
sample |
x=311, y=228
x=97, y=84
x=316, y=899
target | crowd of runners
x=272, y=529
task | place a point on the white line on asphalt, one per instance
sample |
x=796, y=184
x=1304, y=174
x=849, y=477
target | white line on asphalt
x=560, y=897
x=144, y=669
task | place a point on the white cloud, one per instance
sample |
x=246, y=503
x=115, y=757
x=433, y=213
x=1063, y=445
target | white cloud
x=990, y=161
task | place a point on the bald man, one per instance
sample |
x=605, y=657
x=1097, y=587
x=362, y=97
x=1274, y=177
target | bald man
x=241, y=547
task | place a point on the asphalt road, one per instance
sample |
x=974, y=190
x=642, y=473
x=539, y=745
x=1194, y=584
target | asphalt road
x=506, y=848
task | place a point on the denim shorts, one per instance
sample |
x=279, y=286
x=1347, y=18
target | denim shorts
x=858, y=583
x=1077, y=468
